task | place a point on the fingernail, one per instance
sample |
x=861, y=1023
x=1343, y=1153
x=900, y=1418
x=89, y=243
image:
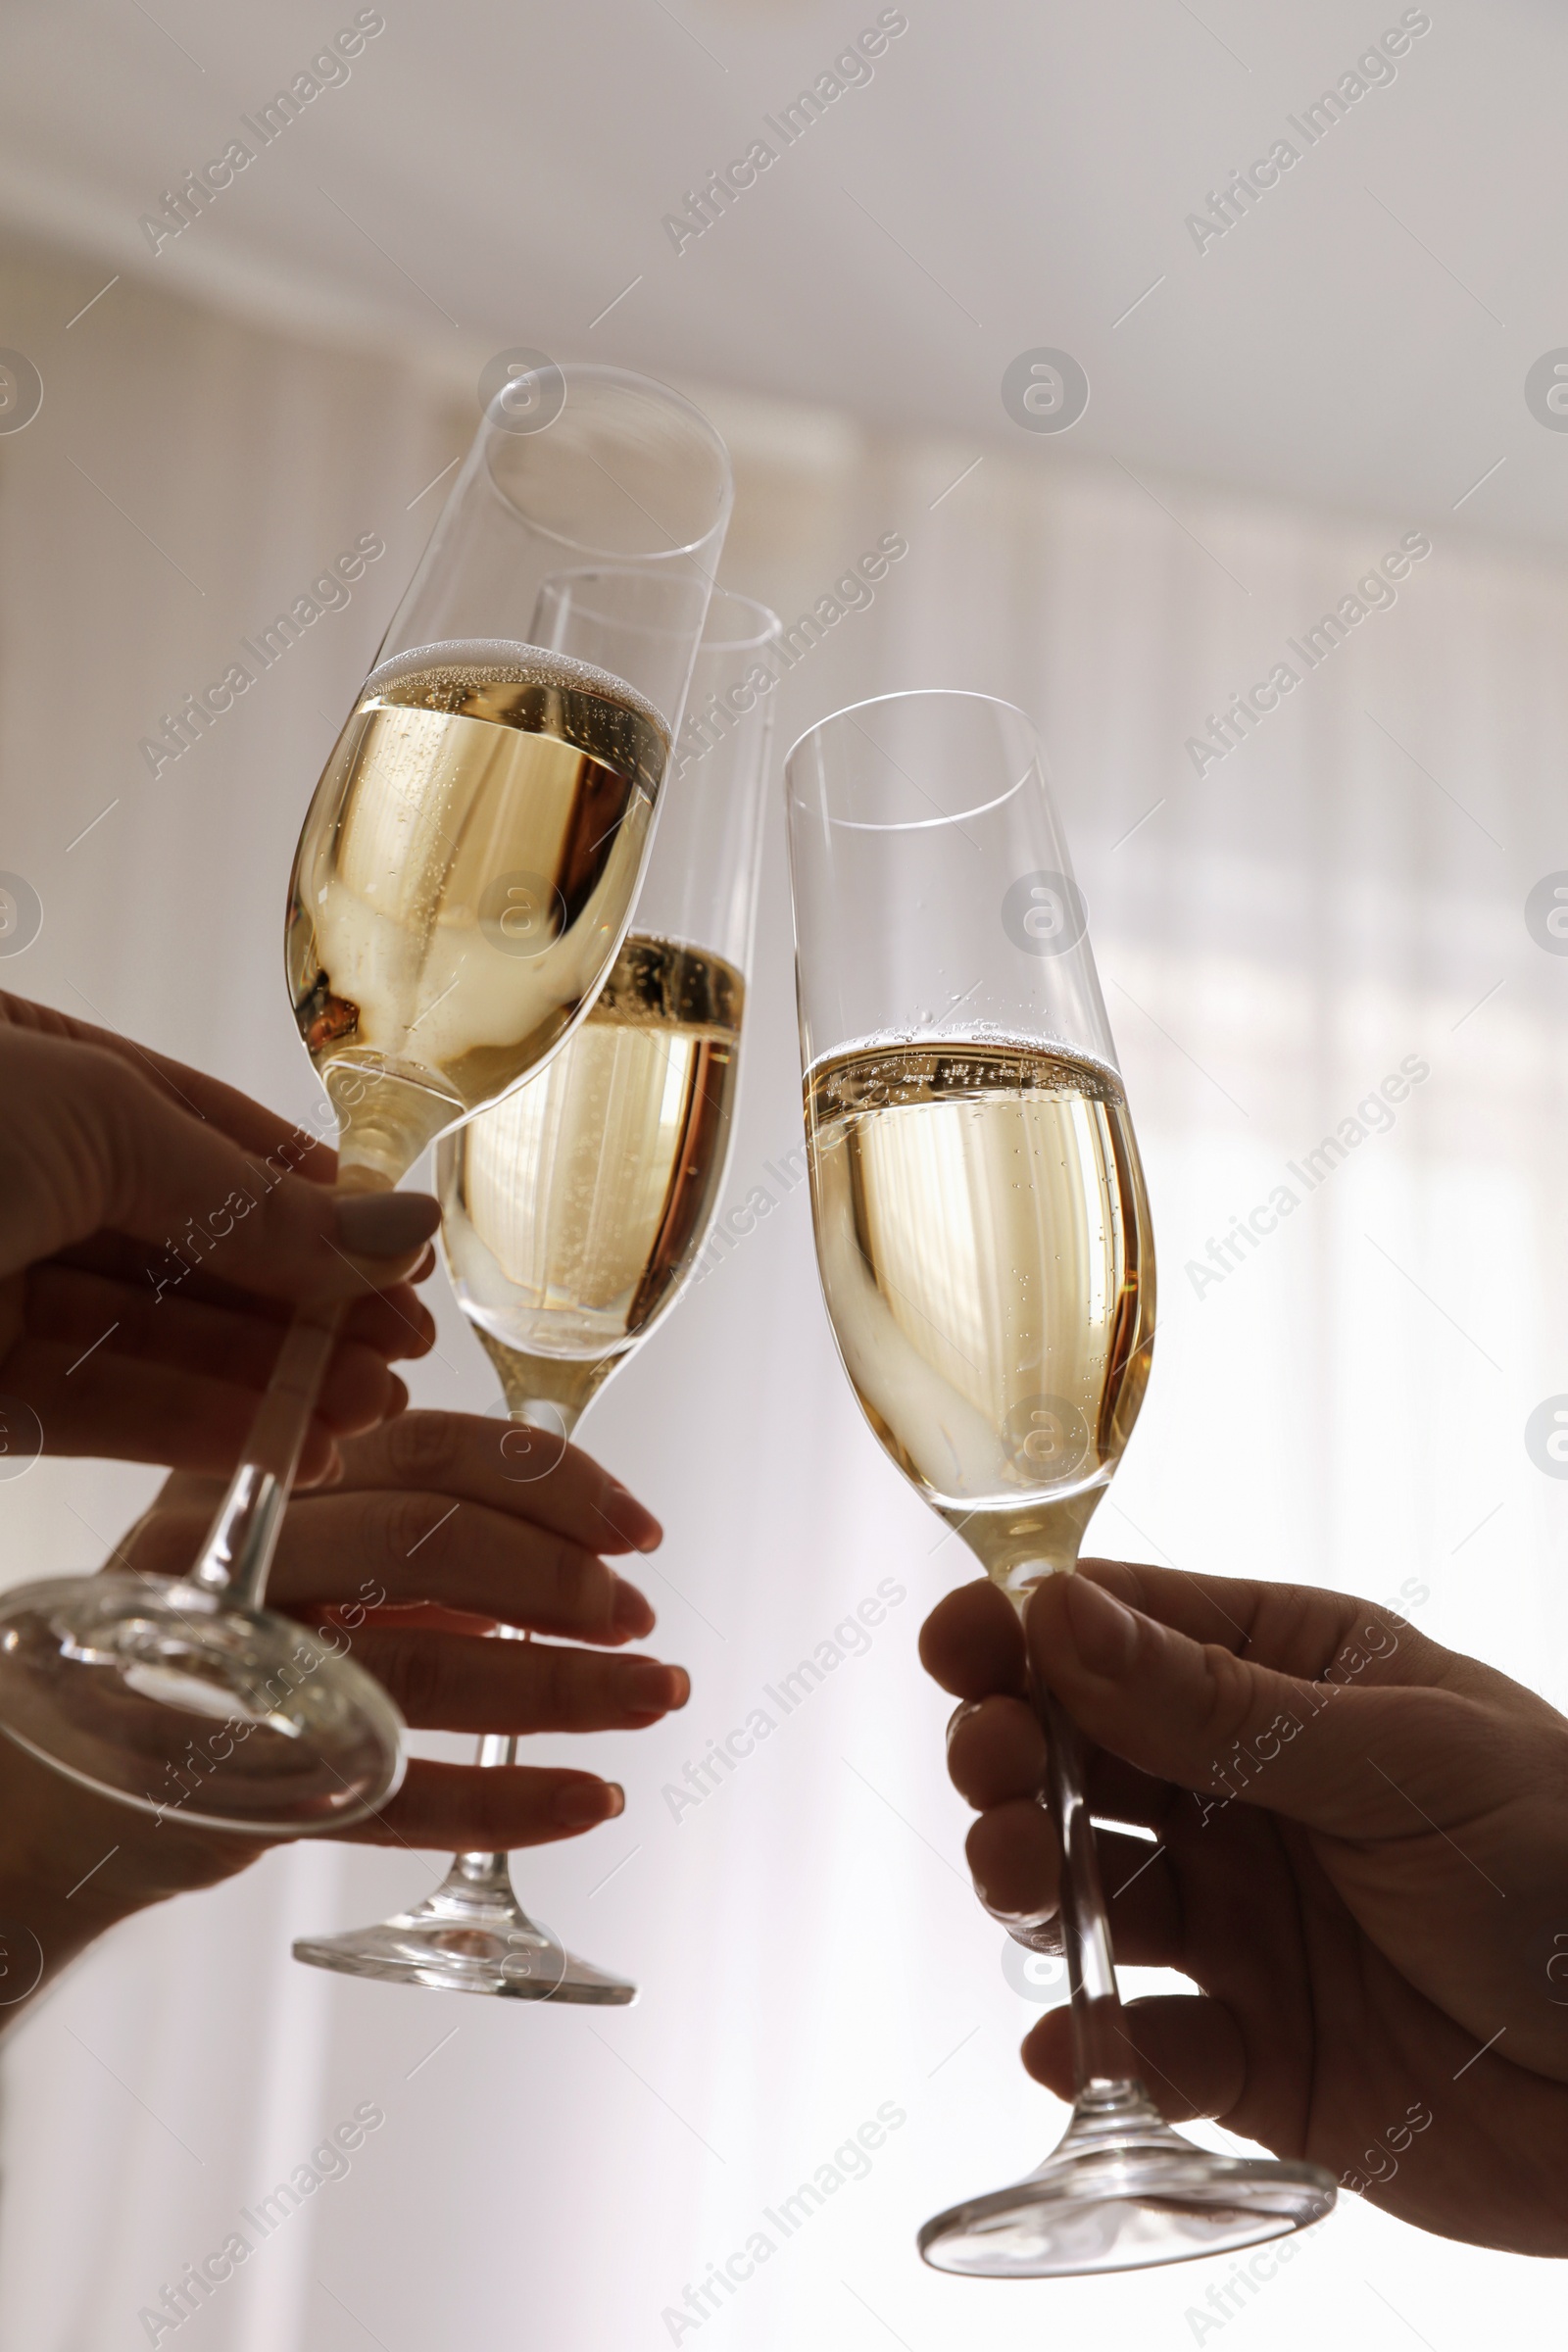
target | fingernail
x=628, y=1517
x=629, y=1612
x=657, y=1688
x=386, y=1224
x=582, y=1804
x=1106, y=1634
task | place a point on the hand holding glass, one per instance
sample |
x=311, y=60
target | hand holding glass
x=985, y=1250
x=463, y=882
x=574, y=1213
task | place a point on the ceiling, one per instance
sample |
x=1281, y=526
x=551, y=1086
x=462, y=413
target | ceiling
x=1003, y=178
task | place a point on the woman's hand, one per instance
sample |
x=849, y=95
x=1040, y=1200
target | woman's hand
x=439, y=1528
x=157, y=1229
x=1362, y=1863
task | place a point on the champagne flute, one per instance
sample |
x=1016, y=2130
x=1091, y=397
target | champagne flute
x=465, y=875
x=985, y=1250
x=574, y=1211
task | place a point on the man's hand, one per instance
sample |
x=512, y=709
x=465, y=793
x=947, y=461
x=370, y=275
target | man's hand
x=430, y=1539
x=1362, y=1863
x=156, y=1230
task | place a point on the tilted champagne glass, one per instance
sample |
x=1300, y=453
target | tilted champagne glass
x=985, y=1250
x=464, y=875
x=574, y=1211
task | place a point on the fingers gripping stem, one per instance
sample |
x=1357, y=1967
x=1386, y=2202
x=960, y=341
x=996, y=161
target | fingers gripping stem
x=1100, y=2037
x=495, y=1747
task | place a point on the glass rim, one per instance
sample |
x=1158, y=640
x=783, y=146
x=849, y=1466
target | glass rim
x=769, y=632
x=915, y=694
x=717, y=597
x=492, y=433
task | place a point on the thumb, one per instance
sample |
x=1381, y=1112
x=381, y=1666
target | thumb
x=1195, y=1713
x=95, y=1146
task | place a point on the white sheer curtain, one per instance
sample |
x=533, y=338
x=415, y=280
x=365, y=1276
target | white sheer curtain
x=1340, y=896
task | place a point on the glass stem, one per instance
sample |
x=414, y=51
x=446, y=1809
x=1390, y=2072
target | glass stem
x=491, y=1874
x=237, y=1554
x=1101, y=2043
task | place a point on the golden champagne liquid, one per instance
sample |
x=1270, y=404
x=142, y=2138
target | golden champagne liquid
x=462, y=875
x=983, y=1235
x=572, y=1211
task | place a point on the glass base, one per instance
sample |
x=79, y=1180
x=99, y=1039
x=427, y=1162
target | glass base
x=1125, y=2192
x=468, y=1937
x=168, y=1697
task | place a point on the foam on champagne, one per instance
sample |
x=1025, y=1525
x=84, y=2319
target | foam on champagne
x=444, y=676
